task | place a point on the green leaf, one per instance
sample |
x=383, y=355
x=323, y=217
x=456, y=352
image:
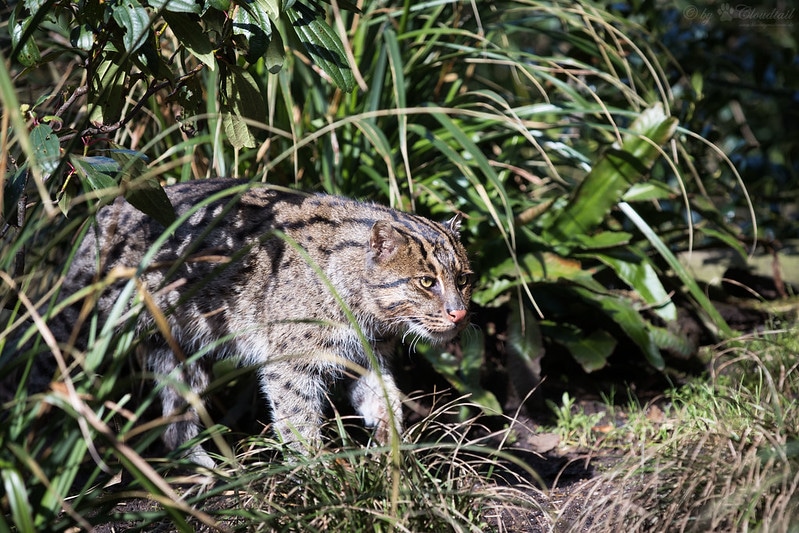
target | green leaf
x=46, y=147
x=147, y=195
x=28, y=51
x=237, y=131
x=251, y=23
x=220, y=5
x=190, y=34
x=532, y=268
x=17, y=497
x=106, y=93
x=591, y=351
x=82, y=37
x=603, y=239
x=142, y=190
x=690, y=283
x=675, y=342
x=134, y=20
x=322, y=44
x=275, y=53
x=525, y=349
x=270, y=7
x=89, y=170
x=697, y=83
x=615, y=172
x=729, y=240
x=641, y=277
x=627, y=317
x=651, y=190
x=240, y=98
x=175, y=6
x=149, y=60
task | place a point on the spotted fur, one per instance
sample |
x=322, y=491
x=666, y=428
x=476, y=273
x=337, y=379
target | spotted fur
x=274, y=279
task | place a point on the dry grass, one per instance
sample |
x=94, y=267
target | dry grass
x=730, y=461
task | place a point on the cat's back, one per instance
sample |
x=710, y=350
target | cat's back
x=231, y=220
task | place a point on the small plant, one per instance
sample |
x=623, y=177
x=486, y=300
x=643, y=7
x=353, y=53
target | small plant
x=572, y=423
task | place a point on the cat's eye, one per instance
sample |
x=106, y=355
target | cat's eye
x=463, y=280
x=427, y=281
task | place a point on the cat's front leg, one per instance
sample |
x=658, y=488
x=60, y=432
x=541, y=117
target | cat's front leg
x=176, y=380
x=295, y=394
x=377, y=399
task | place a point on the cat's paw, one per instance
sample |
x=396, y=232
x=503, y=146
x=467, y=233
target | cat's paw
x=378, y=402
x=374, y=412
x=200, y=457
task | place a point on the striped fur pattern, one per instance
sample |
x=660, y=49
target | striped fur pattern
x=302, y=286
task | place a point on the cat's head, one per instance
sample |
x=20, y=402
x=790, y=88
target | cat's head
x=420, y=277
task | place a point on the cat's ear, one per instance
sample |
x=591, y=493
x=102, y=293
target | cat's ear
x=384, y=241
x=454, y=224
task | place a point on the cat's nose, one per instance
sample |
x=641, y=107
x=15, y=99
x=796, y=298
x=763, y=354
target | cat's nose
x=456, y=315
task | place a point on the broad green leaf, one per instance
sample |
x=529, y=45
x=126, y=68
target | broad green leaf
x=525, y=349
x=240, y=98
x=270, y=7
x=275, y=53
x=220, y=5
x=533, y=268
x=149, y=60
x=237, y=131
x=100, y=163
x=34, y=5
x=134, y=20
x=28, y=51
x=615, y=172
x=603, y=239
x=97, y=179
x=640, y=275
x=697, y=83
x=253, y=28
x=190, y=34
x=651, y=190
x=673, y=341
x=106, y=93
x=322, y=44
x=175, y=6
x=690, y=283
x=727, y=239
x=46, y=147
x=623, y=313
x=590, y=350
x=147, y=195
x=142, y=190
x=82, y=37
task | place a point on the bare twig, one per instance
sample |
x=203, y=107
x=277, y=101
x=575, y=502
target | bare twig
x=19, y=259
x=80, y=91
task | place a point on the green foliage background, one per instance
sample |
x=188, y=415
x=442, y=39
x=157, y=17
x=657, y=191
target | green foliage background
x=586, y=143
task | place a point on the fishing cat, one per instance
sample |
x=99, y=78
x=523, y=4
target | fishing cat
x=301, y=286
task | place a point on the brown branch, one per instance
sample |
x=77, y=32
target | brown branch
x=19, y=259
x=110, y=128
x=80, y=91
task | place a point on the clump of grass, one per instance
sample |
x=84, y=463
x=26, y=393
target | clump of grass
x=442, y=479
x=730, y=464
